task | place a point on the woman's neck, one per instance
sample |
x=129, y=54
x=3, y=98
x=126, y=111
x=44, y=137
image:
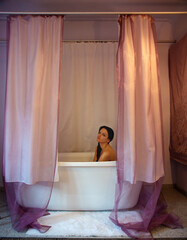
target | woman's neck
x=103, y=145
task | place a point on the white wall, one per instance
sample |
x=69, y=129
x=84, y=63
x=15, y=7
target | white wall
x=164, y=82
x=104, y=29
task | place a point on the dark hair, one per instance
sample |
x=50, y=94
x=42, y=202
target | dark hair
x=110, y=137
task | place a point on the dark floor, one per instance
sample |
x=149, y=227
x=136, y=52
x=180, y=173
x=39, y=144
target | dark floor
x=177, y=203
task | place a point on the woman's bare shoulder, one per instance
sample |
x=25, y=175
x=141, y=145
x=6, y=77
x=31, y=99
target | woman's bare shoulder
x=108, y=154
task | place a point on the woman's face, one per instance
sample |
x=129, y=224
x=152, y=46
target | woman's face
x=102, y=136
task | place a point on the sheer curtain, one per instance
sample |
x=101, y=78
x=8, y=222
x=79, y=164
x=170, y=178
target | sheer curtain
x=88, y=94
x=31, y=116
x=139, y=134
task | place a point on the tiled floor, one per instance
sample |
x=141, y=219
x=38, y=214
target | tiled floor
x=177, y=203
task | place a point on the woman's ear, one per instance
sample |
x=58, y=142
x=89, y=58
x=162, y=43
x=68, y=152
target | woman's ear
x=108, y=140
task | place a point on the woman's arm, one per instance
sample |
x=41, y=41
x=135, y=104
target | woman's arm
x=106, y=156
x=95, y=155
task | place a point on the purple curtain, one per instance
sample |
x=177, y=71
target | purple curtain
x=178, y=116
x=140, y=164
x=31, y=116
x=178, y=92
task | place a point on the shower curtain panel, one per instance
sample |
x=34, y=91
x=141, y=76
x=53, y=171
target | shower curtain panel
x=88, y=94
x=139, y=130
x=31, y=116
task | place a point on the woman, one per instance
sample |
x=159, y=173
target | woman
x=104, y=152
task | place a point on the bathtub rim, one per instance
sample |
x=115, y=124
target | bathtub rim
x=87, y=164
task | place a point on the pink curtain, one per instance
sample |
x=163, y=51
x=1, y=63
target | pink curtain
x=31, y=116
x=139, y=136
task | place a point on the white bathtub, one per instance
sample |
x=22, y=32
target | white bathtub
x=87, y=185
x=82, y=185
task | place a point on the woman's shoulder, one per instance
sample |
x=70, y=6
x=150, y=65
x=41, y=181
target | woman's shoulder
x=109, y=154
x=109, y=148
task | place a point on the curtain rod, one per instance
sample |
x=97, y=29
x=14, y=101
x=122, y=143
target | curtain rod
x=106, y=41
x=89, y=13
x=97, y=41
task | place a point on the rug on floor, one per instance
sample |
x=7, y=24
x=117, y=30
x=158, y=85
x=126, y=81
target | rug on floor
x=79, y=224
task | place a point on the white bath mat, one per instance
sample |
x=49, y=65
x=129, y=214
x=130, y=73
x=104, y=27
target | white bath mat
x=79, y=224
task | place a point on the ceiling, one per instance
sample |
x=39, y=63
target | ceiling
x=105, y=6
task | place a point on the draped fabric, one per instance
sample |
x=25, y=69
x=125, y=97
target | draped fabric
x=178, y=93
x=139, y=130
x=31, y=116
x=139, y=113
x=88, y=94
